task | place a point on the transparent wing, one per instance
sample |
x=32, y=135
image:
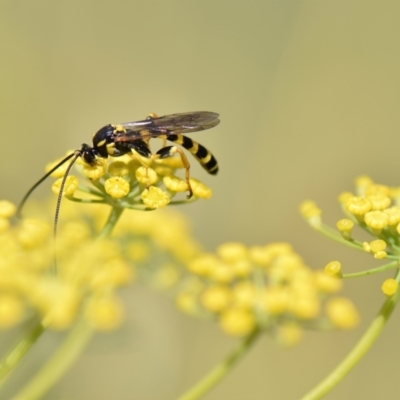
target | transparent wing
x=174, y=123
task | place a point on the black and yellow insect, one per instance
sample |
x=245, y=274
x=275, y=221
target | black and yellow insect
x=131, y=137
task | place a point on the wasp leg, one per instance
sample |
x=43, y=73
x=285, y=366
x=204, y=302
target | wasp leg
x=138, y=149
x=169, y=152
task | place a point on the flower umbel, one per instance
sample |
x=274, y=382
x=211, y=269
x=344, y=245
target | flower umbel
x=129, y=181
x=264, y=286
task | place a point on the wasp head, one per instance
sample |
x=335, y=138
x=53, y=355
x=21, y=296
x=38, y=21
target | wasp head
x=89, y=154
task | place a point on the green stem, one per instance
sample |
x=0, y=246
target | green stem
x=394, y=264
x=356, y=354
x=64, y=356
x=111, y=222
x=221, y=370
x=331, y=234
x=60, y=362
x=18, y=352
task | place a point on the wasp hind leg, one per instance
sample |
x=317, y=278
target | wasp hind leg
x=170, y=151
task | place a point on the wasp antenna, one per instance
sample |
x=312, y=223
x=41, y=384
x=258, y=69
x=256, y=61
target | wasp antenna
x=75, y=155
x=23, y=201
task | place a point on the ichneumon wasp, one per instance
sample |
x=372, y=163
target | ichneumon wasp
x=133, y=137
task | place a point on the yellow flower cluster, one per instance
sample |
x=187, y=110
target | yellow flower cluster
x=82, y=284
x=267, y=287
x=373, y=207
x=129, y=181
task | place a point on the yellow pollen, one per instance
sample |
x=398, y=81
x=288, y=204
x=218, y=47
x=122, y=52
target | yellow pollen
x=71, y=184
x=358, y=205
x=154, y=197
x=237, y=321
x=146, y=176
x=377, y=245
x=394, y=215
x=118, y=168
x=175, y=184
x=7, y=209
x=199, y=189
x=345, y=227
x=376, y=220
x=116, y=187
x=379, y=201
x=97, y=170
x=216, y=298
x=230, y=252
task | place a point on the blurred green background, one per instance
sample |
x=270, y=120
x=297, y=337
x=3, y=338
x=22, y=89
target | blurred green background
x=308, y=93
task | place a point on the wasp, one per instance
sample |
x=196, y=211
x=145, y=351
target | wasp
x=133, y=137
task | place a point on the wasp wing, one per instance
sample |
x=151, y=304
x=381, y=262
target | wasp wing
x=173, y=123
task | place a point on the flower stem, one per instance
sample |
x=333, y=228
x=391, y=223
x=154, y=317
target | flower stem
x=111, y=222
x=54, y=369
x=221, y=370
x=356, y=354
x=22, y=347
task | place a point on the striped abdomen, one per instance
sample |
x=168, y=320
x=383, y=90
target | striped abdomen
x=206, y=159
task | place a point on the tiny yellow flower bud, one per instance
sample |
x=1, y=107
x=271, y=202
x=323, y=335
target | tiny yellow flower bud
x=333, y=268
x=343, y=197
x=216, y=298
x=146, y=176
x=260, y=255
x=362, y=183
x=104, y=313
x=358, y=206
x=237, y=322
x=175, y=184
x=305, y=307
x=244, y=294
x=241, y=268
x=345, y=227
x=154, y=197
x=376, y=189
x=380, y=255
x=377, y=245
x=394, y=215
x=309, y=209
x=232, y=251
x=118, y=168
x=4, y=224
x=327, y=283
x=203, y=264
x=11, y=310
x=274, y=300
x=95, y=171
x=342, y=313
x=199, y=189
x=389, y=287
x=376, y=220
x=33, y=233
x=71, y=184
x=379, y=202
x=289, y=334
x=222, y=272
x=7, y=209
x=366, y=247
x=186, y=302
x=116, y=187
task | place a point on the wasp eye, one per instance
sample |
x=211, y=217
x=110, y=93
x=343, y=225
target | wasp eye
x=89, y=157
